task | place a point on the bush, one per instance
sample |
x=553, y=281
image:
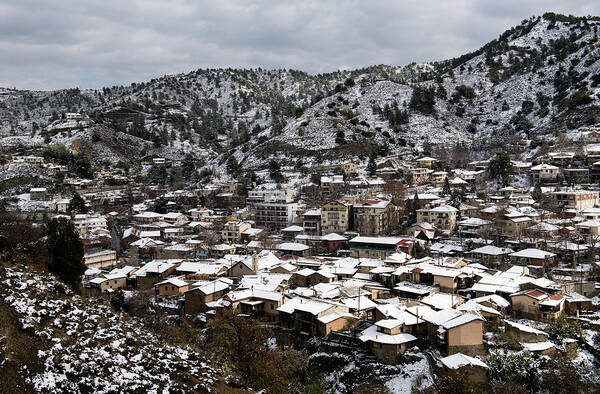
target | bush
x=464, y=91
x=118, y=300
x=564, y=328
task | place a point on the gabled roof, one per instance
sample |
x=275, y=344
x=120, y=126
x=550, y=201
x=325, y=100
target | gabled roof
x=492, y=250
x=333, y=237
x=525, y=328
x=174, y=281
x=532, y=253
x=461, y=320
x=534, y=293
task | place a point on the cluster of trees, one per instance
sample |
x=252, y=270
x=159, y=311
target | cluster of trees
x=240, y=344
x=529, y=372
x=501, y=168
x=395, y=116
x=423, y=100
x=275, y=171
x=77, y=164
x=55, y=246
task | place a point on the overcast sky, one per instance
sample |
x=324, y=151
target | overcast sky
x=93, y=43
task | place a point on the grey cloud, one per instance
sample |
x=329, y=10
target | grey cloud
x=90, y=44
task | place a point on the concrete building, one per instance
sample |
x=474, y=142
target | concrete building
x=311, y=221
x=442, y=217
x=335, y=217
x=272, y=208
x=100, y=258
x=374, y=217
x=576, y=199
x=378, y=247
x=544, y=173
x=233, y=230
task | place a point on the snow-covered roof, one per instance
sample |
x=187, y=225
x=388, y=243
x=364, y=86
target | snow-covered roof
x=441, y=300
x=363, y=304
x=540, y=167
x=492, y=250
x=293, y=228
x=326, y=319
x=532, y=253
x=525, y=328
x=174, y=281
x=389, y=323
x=458, y=360
x=333, y=237
x=537, y=346
x=461, y=320
x=372, y=335
x=378, y=240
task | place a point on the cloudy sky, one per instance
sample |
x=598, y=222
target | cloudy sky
x=50, y=44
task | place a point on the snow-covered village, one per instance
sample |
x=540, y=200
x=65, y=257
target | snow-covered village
x=426, y=228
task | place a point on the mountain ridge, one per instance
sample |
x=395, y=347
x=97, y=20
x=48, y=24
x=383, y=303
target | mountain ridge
x=536, y=81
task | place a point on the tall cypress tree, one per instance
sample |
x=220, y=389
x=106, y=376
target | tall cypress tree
x=66, y=251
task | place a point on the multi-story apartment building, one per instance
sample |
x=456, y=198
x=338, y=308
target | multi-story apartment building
x=576, y=199
x=332, y=187
x=416, y=175
x=335, y=217
x=374, y=217
x=442, y=217
x=438, y=178
x=233, y=229
x=311, y=221
x=544, y=173
x=272, y=208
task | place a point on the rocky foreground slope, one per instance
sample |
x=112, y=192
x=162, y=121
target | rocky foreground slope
x=53, y=341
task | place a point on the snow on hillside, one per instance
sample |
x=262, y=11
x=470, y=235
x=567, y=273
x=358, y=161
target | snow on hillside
x=537, y=80
x=90, y=348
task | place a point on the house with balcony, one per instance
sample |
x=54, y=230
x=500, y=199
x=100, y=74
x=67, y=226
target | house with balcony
x=374, y=217
x=335, y=217
x=544, y=173
x=443, y=217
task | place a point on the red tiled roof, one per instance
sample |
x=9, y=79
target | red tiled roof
x=535, y=293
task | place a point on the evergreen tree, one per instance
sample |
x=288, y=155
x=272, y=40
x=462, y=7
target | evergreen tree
x=77, y=205
x=340, y=137
x=188, y=166
x=537, y=193
x=412, y=215
x=501, y=167
x=66, y=251
x=446, y=188
x=275, y=171
x=232, y=165
x=372, y=165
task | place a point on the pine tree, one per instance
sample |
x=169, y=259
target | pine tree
x=501, y=167
x=275, y=171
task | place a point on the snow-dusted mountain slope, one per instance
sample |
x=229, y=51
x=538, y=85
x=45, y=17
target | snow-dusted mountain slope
x=535, y=81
